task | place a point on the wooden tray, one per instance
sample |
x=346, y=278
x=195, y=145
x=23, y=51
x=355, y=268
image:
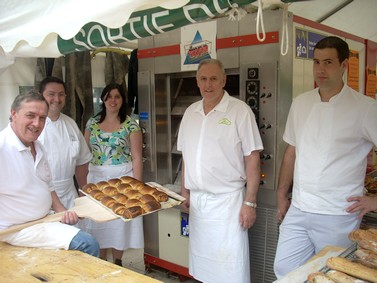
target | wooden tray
x=174, y=200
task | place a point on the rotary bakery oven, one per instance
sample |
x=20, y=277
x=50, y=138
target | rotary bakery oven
x=256, y=73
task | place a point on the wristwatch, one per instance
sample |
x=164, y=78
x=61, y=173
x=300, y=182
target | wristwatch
x=251, y=204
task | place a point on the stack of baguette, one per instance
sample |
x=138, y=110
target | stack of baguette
x=363, y=268
x=126, y=196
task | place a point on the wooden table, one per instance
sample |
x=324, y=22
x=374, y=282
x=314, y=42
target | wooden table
x=19, y=264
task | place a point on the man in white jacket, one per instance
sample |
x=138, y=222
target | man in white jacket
x=68, y=153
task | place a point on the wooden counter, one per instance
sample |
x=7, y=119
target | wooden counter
x=19, y=264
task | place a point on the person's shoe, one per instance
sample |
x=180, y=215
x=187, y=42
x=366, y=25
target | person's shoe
x=118, y=262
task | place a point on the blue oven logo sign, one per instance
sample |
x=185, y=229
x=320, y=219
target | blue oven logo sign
x=198, y=50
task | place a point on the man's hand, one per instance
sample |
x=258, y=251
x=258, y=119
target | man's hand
x=248, y=215
x=362, y=204
x=69, y=217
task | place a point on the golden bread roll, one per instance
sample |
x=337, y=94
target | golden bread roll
x=136, y=184
x=366, y=257
x=147, y=190
x=132, y=212
x=134, y=194
x=118, y=208
x=110, y=191
x=114, y=182
x=127, y=179
x=124, y=188
x=150, y=206
x=132, y=202
x=352, y=268
x=319, y=277
x=121, y=198
x=147, y=198
x=102, y=185
x=97, y=194
x=160, y=196
x=108, y=201
x=338, y=276
x=89, y=187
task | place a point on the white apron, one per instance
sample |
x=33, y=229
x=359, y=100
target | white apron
x=218, y=245
x=115, y=234
x=66, y=191
x=50, y=235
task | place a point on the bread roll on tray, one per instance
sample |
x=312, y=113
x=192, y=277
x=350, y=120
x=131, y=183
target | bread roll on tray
x=114, y=182
x=132, y=202
x=108, y=201
x=147, y=198
x=150, y=206
x=134, y=194
x=147, y=190
x=160, y=196
x=89, y=187
x=121, y=198
x=127, y=179
x=124, y=188
x=97, y=194
x=118, y=208
x=102, y=185
x=132, y=212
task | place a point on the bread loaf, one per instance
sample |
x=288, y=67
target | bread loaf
x=366, y=257
x=341, y=277
x=136, y=185
x=352, y=268
x=150, y=206
x=361, y=234
x=319, y=277
x=132, y=212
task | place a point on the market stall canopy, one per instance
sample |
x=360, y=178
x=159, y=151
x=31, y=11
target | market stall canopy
x=52, y=28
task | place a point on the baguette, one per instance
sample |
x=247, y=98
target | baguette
x=340, y=277
x=352, y=268
x=360, y=234
x=368, y=245
x=366, y=257
x=319, y=277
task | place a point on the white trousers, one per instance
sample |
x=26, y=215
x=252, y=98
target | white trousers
x=304, y=234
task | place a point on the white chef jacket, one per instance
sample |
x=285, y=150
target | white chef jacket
x=332, y=140
x=66, y=148
x=25, y=195
x=212, y=144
